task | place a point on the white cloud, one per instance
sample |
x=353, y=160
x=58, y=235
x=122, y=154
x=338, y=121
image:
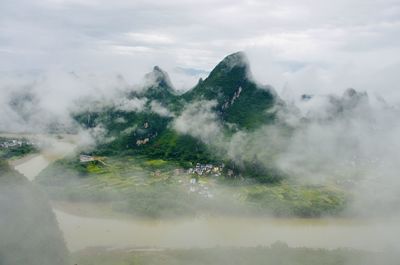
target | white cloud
x=129, y=105
x=30, y=102
x=200, y=121
x=149, y=38
x=159, y=109
x=290, y=43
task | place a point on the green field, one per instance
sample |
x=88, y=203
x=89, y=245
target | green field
x=159, y=188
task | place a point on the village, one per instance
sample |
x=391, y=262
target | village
x=193, y=179
x=203, y=170
x=6, y=143
x=206, y=170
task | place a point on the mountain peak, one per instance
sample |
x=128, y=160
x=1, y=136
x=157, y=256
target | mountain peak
x=158, y=85
x=158, y=77
x=240, y=100
x=157, y=68
x=352, y=98
x=236, y=59
x=235, y=64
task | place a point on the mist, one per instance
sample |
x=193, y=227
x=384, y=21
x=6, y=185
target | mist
x=342, y=138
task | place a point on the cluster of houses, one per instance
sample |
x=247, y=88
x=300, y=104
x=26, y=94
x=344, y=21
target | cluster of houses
x=206, y=170
x=14, y=143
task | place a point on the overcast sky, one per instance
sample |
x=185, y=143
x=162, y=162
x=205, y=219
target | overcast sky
x=294, y=45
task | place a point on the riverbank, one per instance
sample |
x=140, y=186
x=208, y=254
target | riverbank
x=278, y=253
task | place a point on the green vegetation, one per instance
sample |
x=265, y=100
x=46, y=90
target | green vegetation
x=128, y=137
x=133, y=185
x=294, y=200
x=177, y=147
x=241, y=104
x=160, y=188
x=156, y=163
x=240, y=100
x=278, y=253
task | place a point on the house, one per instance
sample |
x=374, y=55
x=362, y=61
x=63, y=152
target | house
x=206, y=169
x=141, y=142
x=14, y=143
x=86, y=158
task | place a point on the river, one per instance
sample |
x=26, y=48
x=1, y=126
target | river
x=82, y=232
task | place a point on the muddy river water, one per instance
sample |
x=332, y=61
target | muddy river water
x=81, y=232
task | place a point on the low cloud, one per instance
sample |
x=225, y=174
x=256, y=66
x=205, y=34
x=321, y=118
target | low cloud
x=156, y=107
x=200, y=121
x=129, y=105
x=344, y=140
x=40, y=102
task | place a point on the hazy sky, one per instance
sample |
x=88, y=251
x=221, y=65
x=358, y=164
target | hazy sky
x=295, y=45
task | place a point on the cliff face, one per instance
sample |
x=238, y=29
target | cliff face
x=29, y=232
